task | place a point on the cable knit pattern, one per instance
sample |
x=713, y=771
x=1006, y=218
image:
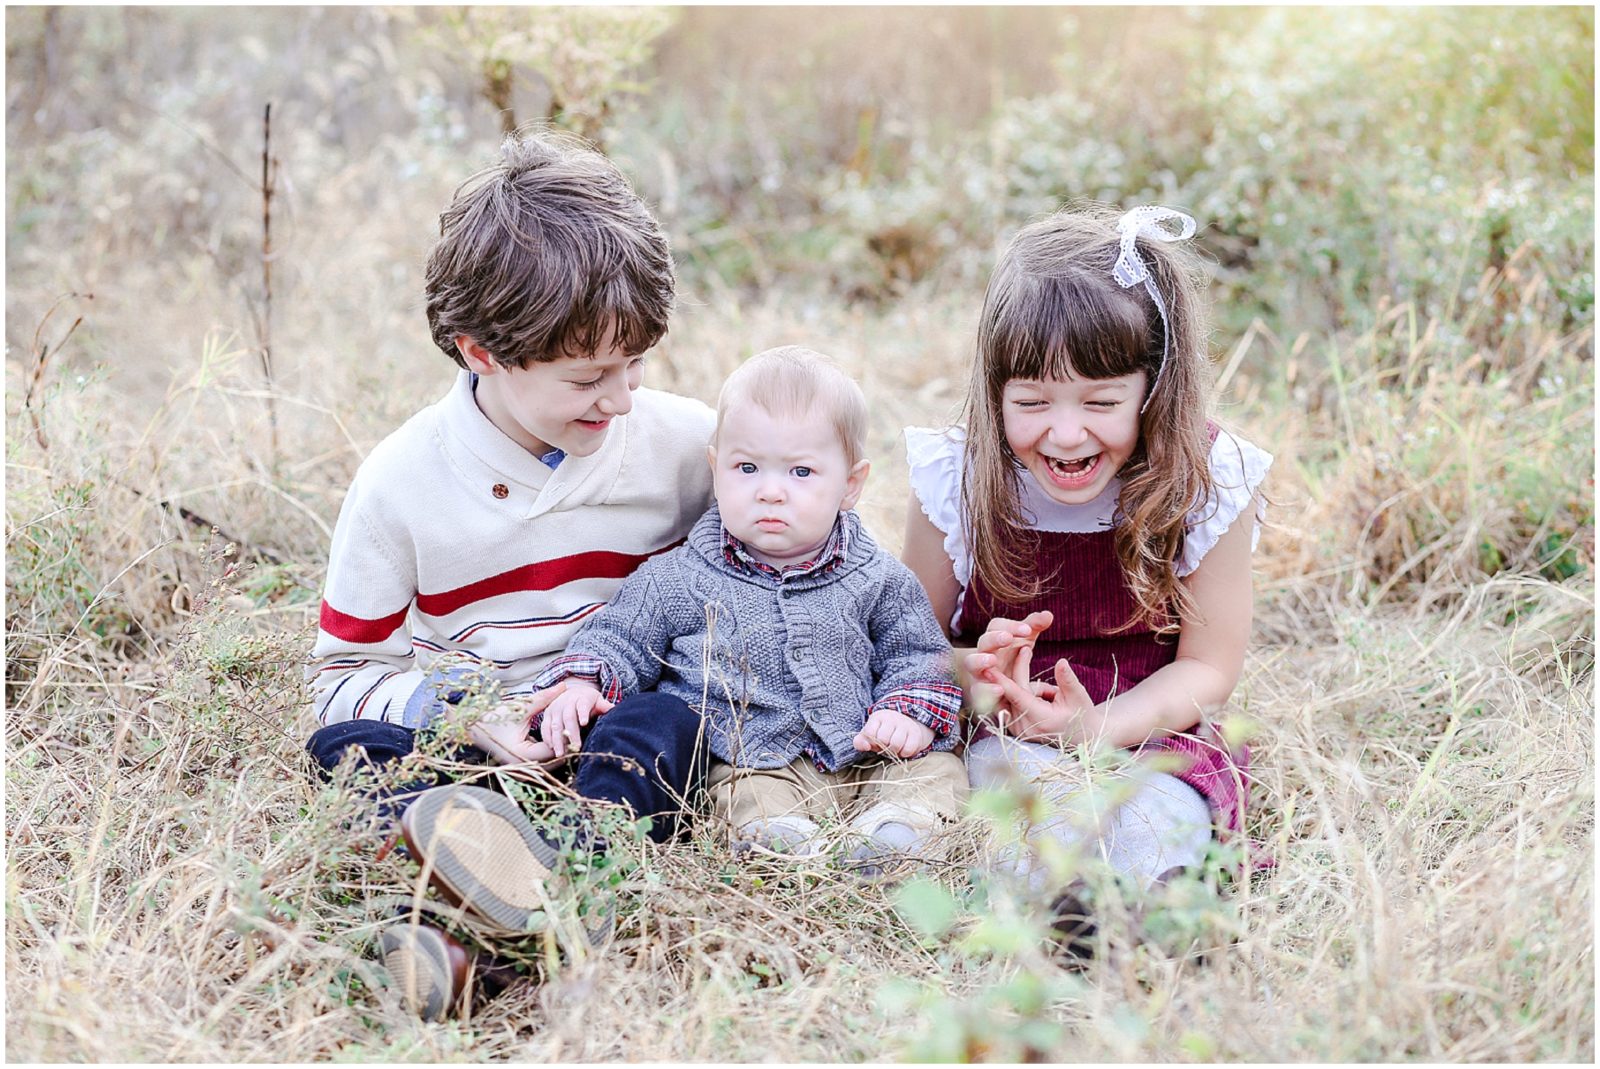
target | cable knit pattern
x=783, y=666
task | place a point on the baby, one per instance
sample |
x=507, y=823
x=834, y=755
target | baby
x=813, y=653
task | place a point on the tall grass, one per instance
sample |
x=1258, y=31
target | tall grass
x=179, y=890
x=1421, y=674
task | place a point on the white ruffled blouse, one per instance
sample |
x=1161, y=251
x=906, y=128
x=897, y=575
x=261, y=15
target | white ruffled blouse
x=936, y=461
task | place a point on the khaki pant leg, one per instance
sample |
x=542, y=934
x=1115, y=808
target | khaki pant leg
x=922, y=793
x=743, y=795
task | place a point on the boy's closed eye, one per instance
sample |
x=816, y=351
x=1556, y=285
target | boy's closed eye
x=594, y=383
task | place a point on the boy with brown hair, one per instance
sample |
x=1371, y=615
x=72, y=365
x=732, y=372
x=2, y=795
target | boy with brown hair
x=477, y=537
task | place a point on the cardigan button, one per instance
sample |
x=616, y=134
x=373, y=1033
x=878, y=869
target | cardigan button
x=501, y=491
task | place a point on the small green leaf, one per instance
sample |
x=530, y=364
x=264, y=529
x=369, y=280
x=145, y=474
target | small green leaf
x=926, y=906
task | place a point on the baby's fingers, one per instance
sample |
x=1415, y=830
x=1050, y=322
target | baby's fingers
x=550, y=726
x=574, y=733
x=560, y=725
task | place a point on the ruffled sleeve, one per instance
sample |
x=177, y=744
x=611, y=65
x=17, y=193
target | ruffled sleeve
x=935, y=458
x=1237, y=469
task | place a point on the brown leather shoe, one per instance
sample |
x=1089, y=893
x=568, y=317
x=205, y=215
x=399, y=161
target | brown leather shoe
x=427, y=967
x=482, y=853
x=1072, y=926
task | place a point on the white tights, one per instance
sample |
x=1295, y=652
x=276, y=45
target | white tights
x=1159, y=822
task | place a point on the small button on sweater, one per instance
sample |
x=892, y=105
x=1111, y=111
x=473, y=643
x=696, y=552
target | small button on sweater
x=784, y=664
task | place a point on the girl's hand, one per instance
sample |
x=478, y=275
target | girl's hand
x=997, y=651
x=1042, y=711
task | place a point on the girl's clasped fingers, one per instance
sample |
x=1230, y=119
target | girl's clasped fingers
x=1028, y=627
x=1015, y=699
x=991, y=642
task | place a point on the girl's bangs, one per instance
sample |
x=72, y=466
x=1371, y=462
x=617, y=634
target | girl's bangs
x=1064, y=326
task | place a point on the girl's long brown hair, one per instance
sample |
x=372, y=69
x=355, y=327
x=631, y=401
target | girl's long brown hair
x=1052, y=310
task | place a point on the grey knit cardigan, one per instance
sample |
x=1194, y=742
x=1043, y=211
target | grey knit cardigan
x=782, y=667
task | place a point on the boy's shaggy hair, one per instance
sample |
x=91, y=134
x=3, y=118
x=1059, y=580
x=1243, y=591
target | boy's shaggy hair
x=548, y=253
x=791, y=380
x=1053, y=310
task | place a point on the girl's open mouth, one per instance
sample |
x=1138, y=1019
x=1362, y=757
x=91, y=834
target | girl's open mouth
x=1073, y=474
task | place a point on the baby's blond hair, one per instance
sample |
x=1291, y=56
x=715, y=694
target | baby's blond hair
x=791, y=380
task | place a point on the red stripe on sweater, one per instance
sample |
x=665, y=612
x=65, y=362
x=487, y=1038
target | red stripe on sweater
x=544, y=575
x=349, y=628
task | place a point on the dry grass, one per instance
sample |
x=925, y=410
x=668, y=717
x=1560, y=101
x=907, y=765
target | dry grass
x=177, y=889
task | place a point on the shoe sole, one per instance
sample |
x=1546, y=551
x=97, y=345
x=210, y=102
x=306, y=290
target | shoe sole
x=483, y=855
x=419, y=969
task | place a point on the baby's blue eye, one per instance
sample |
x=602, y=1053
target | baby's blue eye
x=748, y=468
x=802, y=471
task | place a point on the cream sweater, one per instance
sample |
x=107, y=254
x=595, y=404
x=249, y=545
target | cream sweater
x=453, y=539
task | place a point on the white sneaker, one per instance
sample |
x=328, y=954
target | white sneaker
x=790, y=836
x=886, y=848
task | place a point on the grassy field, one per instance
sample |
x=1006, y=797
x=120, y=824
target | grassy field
x=1420, y=685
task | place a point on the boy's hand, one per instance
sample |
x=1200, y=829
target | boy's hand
x=893, y=733
x=503, y=733
x=997, y=657
x=568, y=714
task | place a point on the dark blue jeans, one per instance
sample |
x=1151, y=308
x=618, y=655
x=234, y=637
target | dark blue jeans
x=647, y=753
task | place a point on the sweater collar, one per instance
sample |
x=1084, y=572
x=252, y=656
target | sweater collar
x=490, y=446
x=848, y=545
x=830, y=556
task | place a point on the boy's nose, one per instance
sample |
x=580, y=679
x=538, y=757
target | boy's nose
x=617, y=400
x=770, y=490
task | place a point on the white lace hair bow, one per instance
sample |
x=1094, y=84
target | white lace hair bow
x=1130, y=270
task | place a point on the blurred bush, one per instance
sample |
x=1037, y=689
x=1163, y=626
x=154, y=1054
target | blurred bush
x=1334, y=156
x=1400, y=202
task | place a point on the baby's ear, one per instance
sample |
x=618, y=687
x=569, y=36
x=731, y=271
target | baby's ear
x=854, y=483
x=711, y=456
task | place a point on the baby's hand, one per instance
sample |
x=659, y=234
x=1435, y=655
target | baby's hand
x=503, y=732
x=893, y=733
x=569, y=714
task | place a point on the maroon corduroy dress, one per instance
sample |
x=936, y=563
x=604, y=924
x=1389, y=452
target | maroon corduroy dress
x=1090, y=599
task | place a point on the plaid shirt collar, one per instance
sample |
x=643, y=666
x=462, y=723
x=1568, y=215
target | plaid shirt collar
x=829, y=557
